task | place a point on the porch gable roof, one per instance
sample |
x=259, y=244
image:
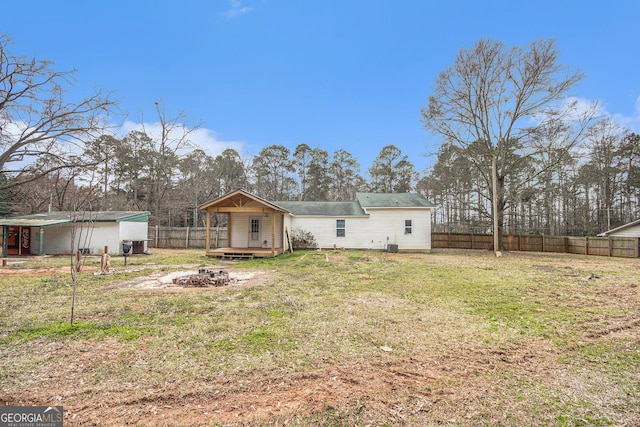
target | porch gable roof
x=238, y=200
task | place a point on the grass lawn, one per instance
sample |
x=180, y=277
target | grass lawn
x=328, y=338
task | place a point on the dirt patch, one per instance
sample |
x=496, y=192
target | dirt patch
x=163, y=280
x=17, y=271
x=386, y=388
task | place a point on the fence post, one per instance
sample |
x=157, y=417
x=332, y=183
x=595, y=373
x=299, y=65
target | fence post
x=586, y=246
x=157, y=234
x=610, y=245
x=543, y=243
x=186, y=240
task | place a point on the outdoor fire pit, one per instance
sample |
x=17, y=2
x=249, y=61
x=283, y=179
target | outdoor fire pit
x=204, y=278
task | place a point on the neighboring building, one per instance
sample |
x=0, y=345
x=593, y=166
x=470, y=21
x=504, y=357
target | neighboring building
x=631, y=229
x=257, y=227
x=50, y=233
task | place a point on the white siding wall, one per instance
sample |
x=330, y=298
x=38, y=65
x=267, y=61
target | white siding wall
x=324, y=230
x=35, y=240
x=106, y=234
x=278, y=232
x=134, y=230
x=371, y=232
x=390, y=222
x=627, y=232
x=240, y=229
x=57, y=240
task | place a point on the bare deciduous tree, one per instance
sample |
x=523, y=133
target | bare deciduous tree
x=507, y=105
x=167, y=148
x=36, y=120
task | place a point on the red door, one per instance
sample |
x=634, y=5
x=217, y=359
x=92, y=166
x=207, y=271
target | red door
x=18, y=240
x=13, y=240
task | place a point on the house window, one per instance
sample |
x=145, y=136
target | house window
x=340, y=228
x=407, y=226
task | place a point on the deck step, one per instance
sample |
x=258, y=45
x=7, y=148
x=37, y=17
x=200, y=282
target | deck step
x=248, y=255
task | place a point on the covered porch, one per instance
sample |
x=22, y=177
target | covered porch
x=255, y=227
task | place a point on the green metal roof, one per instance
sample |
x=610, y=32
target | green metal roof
x=363, y=201
x=49, y=219
x=322, y=208
x=391, y=200
x=27, y=222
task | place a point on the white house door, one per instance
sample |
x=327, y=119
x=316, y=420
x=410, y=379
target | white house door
x=254, y=232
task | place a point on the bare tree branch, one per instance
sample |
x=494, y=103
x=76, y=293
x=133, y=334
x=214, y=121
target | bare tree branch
x=37, y=120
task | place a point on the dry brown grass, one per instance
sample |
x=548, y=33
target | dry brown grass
x=337, y=338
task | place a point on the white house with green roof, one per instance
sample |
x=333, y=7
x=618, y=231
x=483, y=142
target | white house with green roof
x=377, y=221
x=373, y=221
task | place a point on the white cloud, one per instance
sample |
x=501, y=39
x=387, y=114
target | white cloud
x=571, y=109
x=574, y=107
x=203, y=138
x=236, y=10
x=631, y=122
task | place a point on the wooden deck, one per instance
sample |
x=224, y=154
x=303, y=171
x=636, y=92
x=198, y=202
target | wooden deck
x=247, y=253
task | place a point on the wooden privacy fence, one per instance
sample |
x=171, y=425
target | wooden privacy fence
x=626, y=247
x=186, y=237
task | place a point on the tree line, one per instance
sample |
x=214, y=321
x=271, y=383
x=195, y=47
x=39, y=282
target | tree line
x=593, y=190
x=139, y=172
x=518, y=153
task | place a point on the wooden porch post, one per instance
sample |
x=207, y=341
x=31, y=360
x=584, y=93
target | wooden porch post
x=273, y=233
x=229, y=230
x=282, y=231
x=208, y=236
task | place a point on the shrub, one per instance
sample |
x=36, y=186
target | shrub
x=302, y=239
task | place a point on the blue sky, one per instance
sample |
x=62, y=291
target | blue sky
x=345, y=74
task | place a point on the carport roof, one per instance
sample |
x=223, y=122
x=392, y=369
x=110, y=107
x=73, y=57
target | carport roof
x=49, y=219
x=28, y=222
